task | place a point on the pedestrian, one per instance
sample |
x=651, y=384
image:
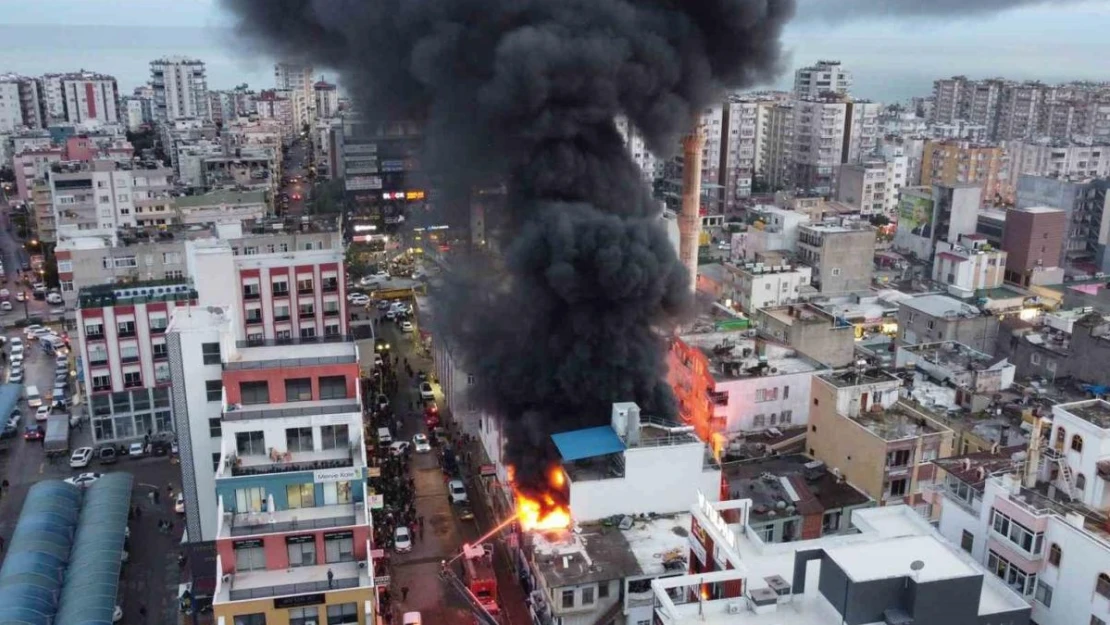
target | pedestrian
x=420, y=520
x=157, y=500
x=331, y=577
x=142, y=612
x=151, y=495
x=138, y=513
x=404, y=593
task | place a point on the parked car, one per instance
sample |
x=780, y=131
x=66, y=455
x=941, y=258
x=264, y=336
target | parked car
x=402, y=539
x=15, y=418
x=135, y=450
x=465, y=513
x=456, y=492
x=426, y=391
x=31, y=330
x=406, y=326
x=83, y=480
x=9, y=431
x=81, y=457
x=179, y=504
x=398, y=448
x=33, y=433
x=420, y=444
x=107, y=455
x=42, y=413
x=5, y=305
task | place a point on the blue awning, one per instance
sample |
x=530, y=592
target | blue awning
x=587, y=443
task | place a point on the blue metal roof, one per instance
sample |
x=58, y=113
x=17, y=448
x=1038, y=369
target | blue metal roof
x=10, y=394
x=38, y=552
x=90, y=592
x=587, y=443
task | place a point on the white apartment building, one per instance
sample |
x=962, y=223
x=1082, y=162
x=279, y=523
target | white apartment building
x=873, y=186
x=824, y=77
x=102, y=196
x=637, y=148
x=864, y=131
x=829, y=132
x=776, y=159
x=759, y=285
x=327, y=99
x=21, y=103
x=968, y=266
x=180, y=87
x=90, y=98
x=295, y=77
x=1041, y=525
x=281, y=107
x=776, y=229
x=1061, y=160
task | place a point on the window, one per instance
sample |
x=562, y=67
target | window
x=336, y=493
x=101, y=382
x=298, y=389
x=304, y=616
x=126, y=328
x=331, y=329
x=786, y=392
x=249, y=555
x=339, y=547
x=333, y=387
x=1017, y=533
x=587, y=596
x=215, y=427
x=298, y=439
x=216, y=462
x=1054, y=554
x=1097, y=621
x=132, y=379
x=766, y=394
x=1043, y=594
x=301, y=495
x=308, y=332
x=1076, y=442
x=603, y=590
x=898, y=487
x=1080, y=481
x=786, y=416
x=967, y=541
x=898, y=458
x=171, y=258
x=1102, y=585
x=94, y=330
x=1035, y=358
x=281, y=288
x=835, y=272
x=568, y=598
x=254, y=393
x=304, y=285
x=159, y=349
x=1022, y=582
x=342, y=614
x=250, y=619
x=250, y=499
x=250, y=443
x=281, y=312
x=759, y=421
x=306, y=309
x=211, y=353
x=334, y=436
x=214, y=390
x=251, y=291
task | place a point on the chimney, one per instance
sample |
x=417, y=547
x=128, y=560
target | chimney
x=689, y=219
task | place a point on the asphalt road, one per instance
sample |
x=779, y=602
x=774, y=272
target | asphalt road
x=9, y=251
x=150, y=578
x=295, y=166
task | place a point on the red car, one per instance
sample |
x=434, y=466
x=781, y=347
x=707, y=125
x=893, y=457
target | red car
x=33, y=433
x=431, y=416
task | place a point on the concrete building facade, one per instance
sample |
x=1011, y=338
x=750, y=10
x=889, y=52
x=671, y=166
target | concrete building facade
x=1034, y=242
x=842, y=255
x=940, y=318
x=956, y=163
x=180, y=89
x=1088, y=215
x=824, y=77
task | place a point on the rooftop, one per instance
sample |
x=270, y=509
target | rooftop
x=955, y=356
x=869, y=306
x=845, y=378
x=804, y=314
x=777, y=484
x=899, y=422
x=735, y=356
x=659, y=544
x=1094, y=411
x=222, y=196
x=940, y=306
x=591, y=554
x=973, y=469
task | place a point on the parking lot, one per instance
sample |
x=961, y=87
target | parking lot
x=151, y=576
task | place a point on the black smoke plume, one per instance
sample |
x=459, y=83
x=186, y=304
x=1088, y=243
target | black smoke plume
x=850, y=10
x=526, y=91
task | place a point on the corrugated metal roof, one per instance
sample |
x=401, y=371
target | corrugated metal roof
x=39, y=551
x=587, y=443
x=90, y=593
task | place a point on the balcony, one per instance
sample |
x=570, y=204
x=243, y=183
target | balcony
x=331, y=313
x=312, y=340
x=129, y=359
x=158, y=329
x=297, y=580
x=98, y=360
x=162, y=355
x=305, y=290
x=282, y=317
x=133, y=384
x=301, y=519
x=126, y=332
x=310, y=314
x=101, y=388
x=254, y=320
x=292, y=409
x=291, y=363
x=252, y=295
x=290, y=461
x=330, y=287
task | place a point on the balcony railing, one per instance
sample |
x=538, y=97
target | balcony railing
x=98, y=361
x=282, y=317
x=311, y=340
x=289, y=467
x=251, y=295
x=254, y=320
x=158, y=329
x=133, y=384
x=161, y=355
x=337, y=583
x=100, y=388
x=331, y=313
x=125, y=333
x=246, y=527
x=244, y=414
x=129, y=359
x=331, y=287
x=289, y=363
x=308, y=290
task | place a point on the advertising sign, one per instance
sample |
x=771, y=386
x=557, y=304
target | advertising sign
x=363, y=183
x=336, y=475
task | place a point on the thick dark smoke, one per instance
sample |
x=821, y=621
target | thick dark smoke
x=526, y=91
x=847, y=10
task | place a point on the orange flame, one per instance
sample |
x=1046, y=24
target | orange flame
x=717, y=442
x=543, y=512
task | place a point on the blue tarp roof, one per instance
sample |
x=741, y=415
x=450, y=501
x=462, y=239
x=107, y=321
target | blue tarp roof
x=587, y=443
x=90, y=592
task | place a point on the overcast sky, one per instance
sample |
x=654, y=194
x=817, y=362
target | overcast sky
x=893, y=56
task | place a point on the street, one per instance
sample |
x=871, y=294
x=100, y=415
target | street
x=295, y=166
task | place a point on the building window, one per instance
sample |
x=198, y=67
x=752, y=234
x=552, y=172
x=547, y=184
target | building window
x=1080, y=481
x=215, y=427
x=126, y=328
x=280, y=288
x=308, y=332
x=214, y=390
x=1054, y=555
x=1034, y=358
x=298, y=389
x=898, y=458
x=343, y=614
x=603, y=590
x=298, y=439
x=587, y=596
x=1018, y=534
x=1102, y=585
x=250, y=443
x=249, y=556
x=251, y=393
x=334, y=436
x=301, y=495
x=304, y=285
x=249, y=499
x=967, y=541
x=568, y=598
x=898, y=487
x=339, y=548
x=158, y=349
x=210, y=353
x=250, y=619
x=1022, y=582
x=132, y=379
x=304, y=616
x=1076, y=443
x=306, y=309
x=333, y=387
x=787, y=416
x=759, y=421
x=1043, y=594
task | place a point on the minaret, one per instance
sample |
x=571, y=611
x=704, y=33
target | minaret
x=689, y=219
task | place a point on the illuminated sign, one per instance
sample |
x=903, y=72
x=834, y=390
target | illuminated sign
x=716, y=521
x=366, y=228
x=414, y=195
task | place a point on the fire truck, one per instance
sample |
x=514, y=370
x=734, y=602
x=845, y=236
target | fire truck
x=480, y=577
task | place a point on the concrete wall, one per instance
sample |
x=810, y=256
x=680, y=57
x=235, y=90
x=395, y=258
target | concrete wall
x=978, y=333
x=843, y=444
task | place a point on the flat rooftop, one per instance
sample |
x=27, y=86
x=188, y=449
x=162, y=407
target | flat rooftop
x=735, y=356
x=223, y=196
x=898, y=423
x=846, y=378
x=804, y=314
x=951, y=355
x=975, y=468
x=795, y=480
x=594, y=554
x=660, y=544
x=940, y=306
x=1095, y=411
x=871, y=305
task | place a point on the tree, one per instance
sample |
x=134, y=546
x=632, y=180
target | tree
x=880, y=220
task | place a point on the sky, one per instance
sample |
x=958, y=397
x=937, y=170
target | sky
x=892, y=55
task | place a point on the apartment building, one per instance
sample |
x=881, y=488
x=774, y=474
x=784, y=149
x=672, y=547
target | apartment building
x=180, y=89
x=1057, y=160
x=281, y=107
x=774, y=229
x=936, y=318
x=1034, y=240
x=728, y=383
x=842, y=255
x=776, y=153
x=824, y=77
x=928, y=215
x=90, y=98
x=326, y=96
x=1088, y=211
x=883, y=446
x=1020, y=110
x=969, y=266
x=873, y=187
x=953, y=163
x=1038, y=522
x=101, y=196
x=22, y=103
x=773, y=280
x=295, y=79
x=811, y=330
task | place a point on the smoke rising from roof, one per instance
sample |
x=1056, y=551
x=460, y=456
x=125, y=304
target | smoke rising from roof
x=526, y=91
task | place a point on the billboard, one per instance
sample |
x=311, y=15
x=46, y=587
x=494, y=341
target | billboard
x=363, y=183
x=915, y=215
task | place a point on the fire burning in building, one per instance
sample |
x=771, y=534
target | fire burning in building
x=547, y=510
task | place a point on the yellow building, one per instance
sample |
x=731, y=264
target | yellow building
x=861, y=431
x=952, y=162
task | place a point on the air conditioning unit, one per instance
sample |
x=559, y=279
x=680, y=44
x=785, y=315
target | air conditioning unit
x=734, y=608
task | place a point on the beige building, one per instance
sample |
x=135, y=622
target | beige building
x=860, y=430
x=842, y=255
x=953, y=163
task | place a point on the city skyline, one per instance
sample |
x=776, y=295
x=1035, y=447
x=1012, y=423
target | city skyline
x=885, y=51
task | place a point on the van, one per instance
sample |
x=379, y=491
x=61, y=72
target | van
x=34, y=399
x=384, y=437
x=53, y=345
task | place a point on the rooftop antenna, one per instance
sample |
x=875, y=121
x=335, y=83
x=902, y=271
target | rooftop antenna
x=916, y=567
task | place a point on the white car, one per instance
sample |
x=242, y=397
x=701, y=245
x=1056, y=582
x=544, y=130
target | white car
x=383, y=402
x=16, y=345
x=136, y=450
x=15, y=419
x=15, y=375
x=117, y=614
x=5, y=305
x=426, y=392
x=42, y=413
x=398, y=448
x=81, y=457
x=43, y=332
x=367, y=280
x=179, y=504
x=5, y=293
x=402, y=539
x=420, y=444
x=456, y=492
x=381, y=275
x=31, y=330
x=406, y=326
x=83, y=480
x=54, y=298
x=360, y=300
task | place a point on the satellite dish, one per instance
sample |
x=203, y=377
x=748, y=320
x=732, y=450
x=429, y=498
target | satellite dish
x=917, y=565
